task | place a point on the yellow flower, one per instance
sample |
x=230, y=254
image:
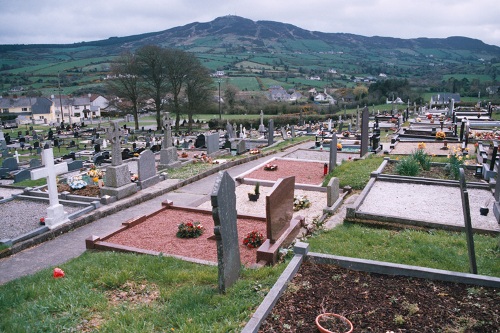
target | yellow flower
x=95, y=179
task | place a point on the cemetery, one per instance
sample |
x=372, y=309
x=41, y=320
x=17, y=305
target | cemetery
x=294, y=198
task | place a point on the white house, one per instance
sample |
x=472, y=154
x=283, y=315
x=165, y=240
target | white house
x=29, y=109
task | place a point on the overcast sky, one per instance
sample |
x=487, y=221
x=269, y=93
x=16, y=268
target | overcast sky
x=71, y=21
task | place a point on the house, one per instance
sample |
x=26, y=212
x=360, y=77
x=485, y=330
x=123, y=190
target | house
x=443, y=99
x=78, y=108
x=315, y=78
x=398, y=100
x=492, y=90
x=39, y=109
x=279, y=94
x=324, y=97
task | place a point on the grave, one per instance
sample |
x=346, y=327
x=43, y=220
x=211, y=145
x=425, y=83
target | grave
x=168, y=153
x=212, y=142
x=117, y=182
x=147, y=169
x=200, y=141
x=270, y=133
x=223, y=200
x=282, y=227
x=55, y=212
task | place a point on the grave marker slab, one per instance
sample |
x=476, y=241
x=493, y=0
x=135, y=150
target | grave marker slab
x=270, y=132
x=468, y=223
x=365, y=140
x=332, y=163
x=279, y=208
x=146, y=168
x=212, y=141
x=223, y=199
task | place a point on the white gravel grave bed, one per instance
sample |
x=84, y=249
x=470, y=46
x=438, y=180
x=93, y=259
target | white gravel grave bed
x=429, y=203
x=19, y=217
x=258, y=208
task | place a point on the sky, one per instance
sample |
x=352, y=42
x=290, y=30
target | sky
x=73, y=21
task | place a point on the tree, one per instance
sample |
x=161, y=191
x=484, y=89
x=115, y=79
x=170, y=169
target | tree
x=230, y=96
x=198, y=90
x=126, y=81
x=154, y=73
x=360, y=92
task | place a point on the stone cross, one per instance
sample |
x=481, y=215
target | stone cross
x=16, y=155
x=262, y=117
x=55, y=213
x=167, y=126
x=114, y=135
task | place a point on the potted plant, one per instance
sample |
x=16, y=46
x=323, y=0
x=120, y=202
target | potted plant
x=256, y=193
x=332, y=322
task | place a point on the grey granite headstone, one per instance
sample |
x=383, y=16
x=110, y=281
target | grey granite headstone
x=212, y=143
x=10, y=164
x=332, y=163
x=75, y=165
x=230, y=130
x=147, y=169
x=284, y=134
x=270, y=132
x=292, y=129
x=223, y=199
x=22, y=175
x=365, y=140
x=34, y=162
x=332, y=191
x=468, y=223
x=241, y=147
x=279, y=208
x=167, y=126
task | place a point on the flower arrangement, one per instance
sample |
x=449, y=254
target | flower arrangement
x=429, y=116
x=253, y=239
x=421, y=145
x=190, y=230
x=184, y=154
x=270, y=167
x=42, y=220
x=254, y=151
x=300, y=202
x=440, y=135
x=339, y=146
x=134, y=177
x=418, y=120
x=346, y=134
x=76, y=182
x=94, y=172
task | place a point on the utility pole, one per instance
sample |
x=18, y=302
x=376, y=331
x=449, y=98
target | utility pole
x=60, y=99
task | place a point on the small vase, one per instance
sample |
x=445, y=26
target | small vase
x=253, y=197
x=332, y=322
x=484, y=211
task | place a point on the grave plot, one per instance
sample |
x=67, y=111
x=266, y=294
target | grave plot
x=424, y=202
x=317, y=155
x=309, y=173
x=441, y=148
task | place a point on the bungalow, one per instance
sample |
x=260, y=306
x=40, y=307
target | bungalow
x=324, y=97
x=28, y=109
x=278, y=93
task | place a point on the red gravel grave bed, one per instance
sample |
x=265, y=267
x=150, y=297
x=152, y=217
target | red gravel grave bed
x=157, y=233
x=304, y=172
x=382, y=303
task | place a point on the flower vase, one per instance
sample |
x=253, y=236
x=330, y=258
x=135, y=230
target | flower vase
x=253, y=196
x=332, y=322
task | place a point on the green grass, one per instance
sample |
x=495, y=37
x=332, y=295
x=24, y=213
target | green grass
x=434, y=248
x=184, y=297
x=355, y=173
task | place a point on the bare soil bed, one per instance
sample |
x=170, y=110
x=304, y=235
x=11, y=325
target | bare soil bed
x=87, y=191
x=383, y=303
x=304, y=172
x=158, y=233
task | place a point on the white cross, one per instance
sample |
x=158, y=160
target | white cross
x=55, y=212
x=16, y=155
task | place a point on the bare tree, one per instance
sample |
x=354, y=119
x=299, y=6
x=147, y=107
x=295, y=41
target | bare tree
x=198, y=90
x=154, y=72
x=126, y=82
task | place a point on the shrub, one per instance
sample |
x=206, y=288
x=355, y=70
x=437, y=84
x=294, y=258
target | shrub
x=190, y=230
x=408, y=166
x=422, y=158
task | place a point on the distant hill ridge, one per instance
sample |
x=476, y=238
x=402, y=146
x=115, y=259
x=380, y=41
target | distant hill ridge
x=234, y=33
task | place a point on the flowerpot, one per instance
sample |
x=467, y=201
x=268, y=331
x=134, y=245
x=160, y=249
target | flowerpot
x=332, y=322
x=484, y=211
x=253, y=197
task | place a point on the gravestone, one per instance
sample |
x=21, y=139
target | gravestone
x=10, y=164
x=34, y=163
x=279, y=208
x=365, y=140
x=168, y=152
x=282, y=227
x=468, y=223
x=75, y=165
x=117, y=181
x=292, y=131
x=230, y=130
x=262, y=128
x=21, y=175
x=284, y=134
x=200, y=141
x=55, y=212
x=239, y=146
x=212, y=142
x=270, y=132
x=332, y=191
x=341, y=127
x=332, y=161
x=147, y=169
x=223, y=199
x=36, y=144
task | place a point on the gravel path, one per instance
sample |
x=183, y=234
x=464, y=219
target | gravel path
x=430, y=203
x=22, y=216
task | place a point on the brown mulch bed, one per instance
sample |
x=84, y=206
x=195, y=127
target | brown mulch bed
x=383, y=303
x=87, y=191
x=436, y=172
x=304, y=172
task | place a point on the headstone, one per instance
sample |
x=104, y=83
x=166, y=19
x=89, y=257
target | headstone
x=230, y=130
x=341, y=126
x=262, y=128
x=168, y=152
x=365, y=140
x=75, y=165
x=36, y=144
x=55, y=212
x=200, y=141
x=332, y=162
x=212, y=143
x=146, y=168
x=468, y=223
x=270, y=132
x=332, y=191
x=284, y=134
x=279, y=208
x=114, y=136
x=223, y=199
x=50, y=135
x=10, y=164
x=35, y=163
x=97, y=148
x=22, y=175
x=292, y=130
x=241, y=147
x=16, y=156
